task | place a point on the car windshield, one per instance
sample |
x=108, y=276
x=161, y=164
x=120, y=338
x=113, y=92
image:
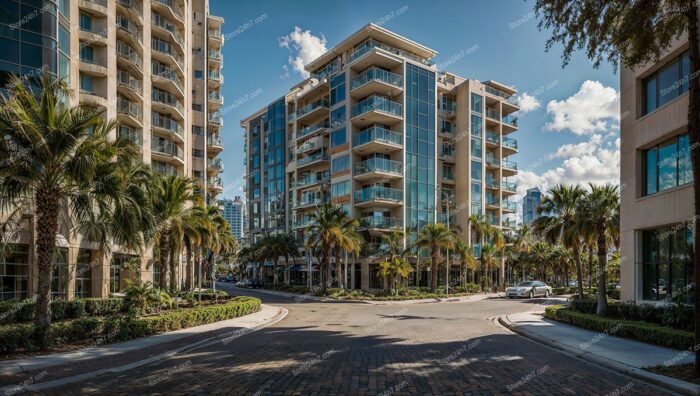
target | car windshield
x=524, y=284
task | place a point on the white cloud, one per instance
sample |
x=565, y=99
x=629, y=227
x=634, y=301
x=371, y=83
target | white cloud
x=593, y=108
x=579, y=149
x=304, y=48
x=528, y=103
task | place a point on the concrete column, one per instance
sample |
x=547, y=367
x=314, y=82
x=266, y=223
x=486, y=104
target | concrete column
x=365, y=276
x=72, y=263
x=100, y=273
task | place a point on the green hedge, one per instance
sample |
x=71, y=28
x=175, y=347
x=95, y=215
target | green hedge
x=207, y=295
x=18, y=311
x=678, y=317
x=102, y=330
x=641, y=331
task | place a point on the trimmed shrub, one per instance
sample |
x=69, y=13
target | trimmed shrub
x=19, y=311
x=641, y=331
x=207, y=295
x=101, y=330
x=678, y=316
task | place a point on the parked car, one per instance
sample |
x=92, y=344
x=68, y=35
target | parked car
x=242, y=283
x=230, y=278
x=529, y=289
x=254, y=284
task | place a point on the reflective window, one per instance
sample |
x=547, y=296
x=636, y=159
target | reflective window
x=338, y=137
x=338, y=117
x=666, y=84
x=338, y=89
x=477, y=103
x=667, y=165
x=340, y=164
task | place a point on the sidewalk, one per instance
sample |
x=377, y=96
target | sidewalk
x=92, y=361
x=620, y=354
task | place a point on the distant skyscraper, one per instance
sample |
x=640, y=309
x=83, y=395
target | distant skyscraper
x=233, y=213
x=530, y=204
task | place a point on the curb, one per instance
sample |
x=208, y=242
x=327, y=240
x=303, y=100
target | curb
x=280, y=315
x=673, y=384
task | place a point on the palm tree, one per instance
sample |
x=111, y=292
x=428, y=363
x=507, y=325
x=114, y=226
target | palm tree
x=394, y=245
x=322, y=234
x=563, y=225
x=466, y=259
x=279, y=245
x=397, y=268
x=219, y=242
x=435, y=237
x=173, y=197
x=540, y=254
x=244, y=256
x=195, y=229
x=348, y=239
x=489, y=255
x=58, y=163
x=483, y=230
x=601, y=214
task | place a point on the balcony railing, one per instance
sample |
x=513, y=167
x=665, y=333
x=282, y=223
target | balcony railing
x=380, y=222
x=216, y=76
x=448, y=176
x=322, y=156
x=378, y=193
x=159, y=46
x=378, y=165
x=216, y=55
x=163, y=23
x=376, y=134
x=125, y=51
x=512, y=206
x=491, y=183
x=167, y=147
x=510, y=120
x=509, y=223
x=510, y=164
x=371, y=44
x=316, y=104
x=164, y=168
x=216, y=96
x=172, y=5
x=93, y=61
x=510, y=142
x=128, y=108
x=162, y=97
x=214, y=33
x=103, y=3
x=125, y=79
x=510, y=186
x=312, y=128
x=217, y=163
x=377, y=74
x=158, y=121
x=214, y=140
x=132, y=5
x=125, y=132
x=303, y=223
x=492, y=137
x=311, y=180
x=493, y=161
x=167, y=73
x=215, y=182
x=128, y=27
x=377, y=103
x=491, y=113
x=493, y=220
x=216, y=118
x=509, y=98
x=309, y=201
x=312, y=144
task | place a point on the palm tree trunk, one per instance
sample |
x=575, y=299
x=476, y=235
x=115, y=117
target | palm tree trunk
x=338, y=271
x=47, y=209
x=602, y=309
x=461, y=273
x=579, y=272
x=286, y=270
x=189, y=276
x=276, y=269
x=483, y=268
x=590, y=267
x=174, y=276
x=434, y=271
x=164, y=261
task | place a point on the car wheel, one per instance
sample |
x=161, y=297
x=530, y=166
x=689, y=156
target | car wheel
x=531, y=295
x=546, y=294
x=511, y=297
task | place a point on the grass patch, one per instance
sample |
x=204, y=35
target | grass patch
x=683, y=372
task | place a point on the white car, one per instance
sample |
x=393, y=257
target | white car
x=529, y=289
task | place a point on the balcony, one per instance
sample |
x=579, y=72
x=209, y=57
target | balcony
x=164, y=102
x=492, y=202
x=312, y=144
x=214, y=78
x=377, y=140
x=168, y=126
x=129, y=57
x=128, y=111
x=447, y=130
x=500, y=94
x=510, y=145
x=448, y=178
x=510, y=122
x=374, y=249
x=92, y=66
x=376, y=80
x=380, y=222
x=215, y=184
x=99, y=7
x=493, y=163
x=163, y=26
x=447, y=155
x=509, y=223
x=216, y=99
x=378, y=168
x=216, y=166
x=492, y=138
x=509, y=188
x=215, y=36
x=131, y=134
x=128, y=85
x=216, y=58
x=493, y=220
x=509, y=206
x=303, y=223
x=133, y=8
x=378, y=196
x=510, y=168
x=313, y=109
x=171, y=9
x=449, y=112
x=318, y=158
x=166, y=77
x=376, y=110
x=93, y=36
x=128, y=31
x=375, y=52
x=216, y=119
x=311, y=181
x=309, y=201
x=162, y=52
x=168, y=150
x=492, y=184
x=164, y=168
x=492, y=114
x=311, y=130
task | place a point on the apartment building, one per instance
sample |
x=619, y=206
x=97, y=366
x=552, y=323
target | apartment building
x=155, y=65
x=232, y=211
x=657, y=215
x=380, y=131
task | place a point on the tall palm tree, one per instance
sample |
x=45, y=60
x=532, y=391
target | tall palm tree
x=291, y=250
x=563, y=226
x=483, y=230
x=394, y=246
x=395, y=269
x=540, y=254
x=173, y=197
x=601, y=214
x=58, y=163
x=326, y=222
x=466, y=259
x=347, y=239
x=435, y=237
x=275, y=246
x=196, y=230
x=220, y=241
x=489, y=255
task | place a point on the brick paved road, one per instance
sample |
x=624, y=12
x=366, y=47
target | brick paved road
x=349, y=349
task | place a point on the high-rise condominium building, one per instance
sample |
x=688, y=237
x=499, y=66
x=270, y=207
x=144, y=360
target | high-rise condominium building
x=531, y=202
x=155, y=65
x=378, y=130
x=656, y=214
x=232, y=210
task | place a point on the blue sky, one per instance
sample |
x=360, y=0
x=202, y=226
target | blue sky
x=568, y=135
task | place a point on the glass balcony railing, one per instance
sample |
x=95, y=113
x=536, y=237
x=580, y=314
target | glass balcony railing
x=371, y=44
x=159, y=21
x=129, y=27
x=493, y=161
x=214, y=140
x=322, y=156
x=164, y=168
x=215, y=55
x=125, y=51
x=510, y=223
x=376, y=134
x=378, y=165
x=493, y=114
x=377, y=74
x=167, y=147
x=126, y=80
x=159, y=121
x=167, y=73
x=165, y=48
x=216, y=96
x=378, y=193
x=172, y=5
x=316, y=104
x=303, y=223
x=510, y=142
x=92, y=61
x=312, y=128
x=510, y=120
x=512, y=206
x=497, y=92
x=162, y=97
x=128, y=108
x=215, y=182
x=492, y=201
x=216, y=118
x=216, y=76
x=492, y=137
x=493, y=220
x=312, y=144
x=377, y=103
x=448, y=176
x=125, y=132
x=491, y=183
x=510, y=164
x=311, y=180
x=217, y=163
x=309, y=201
x=510, y=186
x=380, y=222
x=215, y=33
x=133, y=5
x=374, y=249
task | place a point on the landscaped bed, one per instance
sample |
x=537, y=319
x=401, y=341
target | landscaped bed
x=94, y=322
x=359, y=295
x=683, y=372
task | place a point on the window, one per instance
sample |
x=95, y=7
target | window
x=476, y=170
x=86, y=83
x=338, y=117
x=667, y=84
x=476, y=192
x=83, y=274
x=338, y=137
x=338, y=89
x=14, y=271
x=477, y=103
x=340, y=164
x=476, y=148
x=198, y=74
x=85, y=22
x=667, y=165
x=196, y=107
x=476, y=125
x=447, y=126
x=667, y=267
x=447, y=103
x=341, y=188
x=198, y=153
x=197, y=130
x=86, y=53
x=59, y=275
